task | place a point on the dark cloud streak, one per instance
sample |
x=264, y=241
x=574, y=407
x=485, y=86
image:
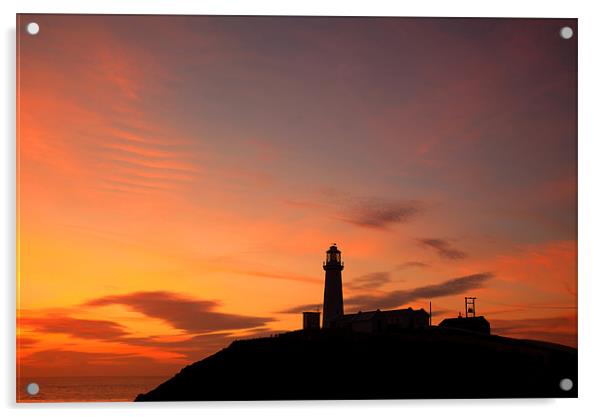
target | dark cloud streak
x=301, y=308
x=380, y=214
x=191, y=315
x=398, y=298
x=444, y=248
x=369, y=281
x=82, y=328
x=412, y=264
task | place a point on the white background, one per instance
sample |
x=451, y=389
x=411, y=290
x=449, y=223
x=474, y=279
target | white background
x=590, y=203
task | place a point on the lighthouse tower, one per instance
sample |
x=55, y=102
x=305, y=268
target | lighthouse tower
x=333, y=287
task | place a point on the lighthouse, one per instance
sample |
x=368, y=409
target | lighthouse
x=333, y=287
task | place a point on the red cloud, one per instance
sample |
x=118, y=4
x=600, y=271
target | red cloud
x=185, y=313
x=85, y=329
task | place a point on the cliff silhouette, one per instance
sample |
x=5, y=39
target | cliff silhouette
x=433, y=362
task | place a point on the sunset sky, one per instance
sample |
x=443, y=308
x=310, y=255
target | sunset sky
x=180, y=178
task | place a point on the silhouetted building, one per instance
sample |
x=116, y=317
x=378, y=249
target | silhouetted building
x=333, y=287
x=384, y=321
x=311, y=320
x=474, y=324
x=470, y=321
x=365, y=322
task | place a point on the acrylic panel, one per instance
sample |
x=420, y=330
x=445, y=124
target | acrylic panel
x=286, y=208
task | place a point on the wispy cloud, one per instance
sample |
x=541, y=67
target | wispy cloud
x=185, y=313
x=363, y=211
x=301, y=308
x=531, y=323
x=279, y=275
x=192, y=347
x=401, y=297
x=369, y=281
x=444, y=248
x=558, y=329
x=56, y=361
x=379, y=213
x=442, y=312
x=25, y=342
x=375, y=280
x=82, y=328
x=412, y=264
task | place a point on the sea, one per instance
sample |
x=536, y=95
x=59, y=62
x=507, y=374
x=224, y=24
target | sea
x=87, y=389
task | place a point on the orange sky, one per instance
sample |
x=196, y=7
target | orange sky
x=179, y=179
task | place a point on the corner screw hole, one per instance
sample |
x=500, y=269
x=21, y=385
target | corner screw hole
x=566, y=384
x=32, y=388
x=32, y=28
x=566, y=32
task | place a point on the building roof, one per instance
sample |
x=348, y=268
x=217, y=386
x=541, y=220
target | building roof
x=369, y=315
x=463, y=320
x=475, y=324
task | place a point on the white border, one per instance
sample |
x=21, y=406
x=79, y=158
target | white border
x=590, y=201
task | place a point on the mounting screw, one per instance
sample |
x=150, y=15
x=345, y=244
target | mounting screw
x=566, y=384
x=32, y=28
